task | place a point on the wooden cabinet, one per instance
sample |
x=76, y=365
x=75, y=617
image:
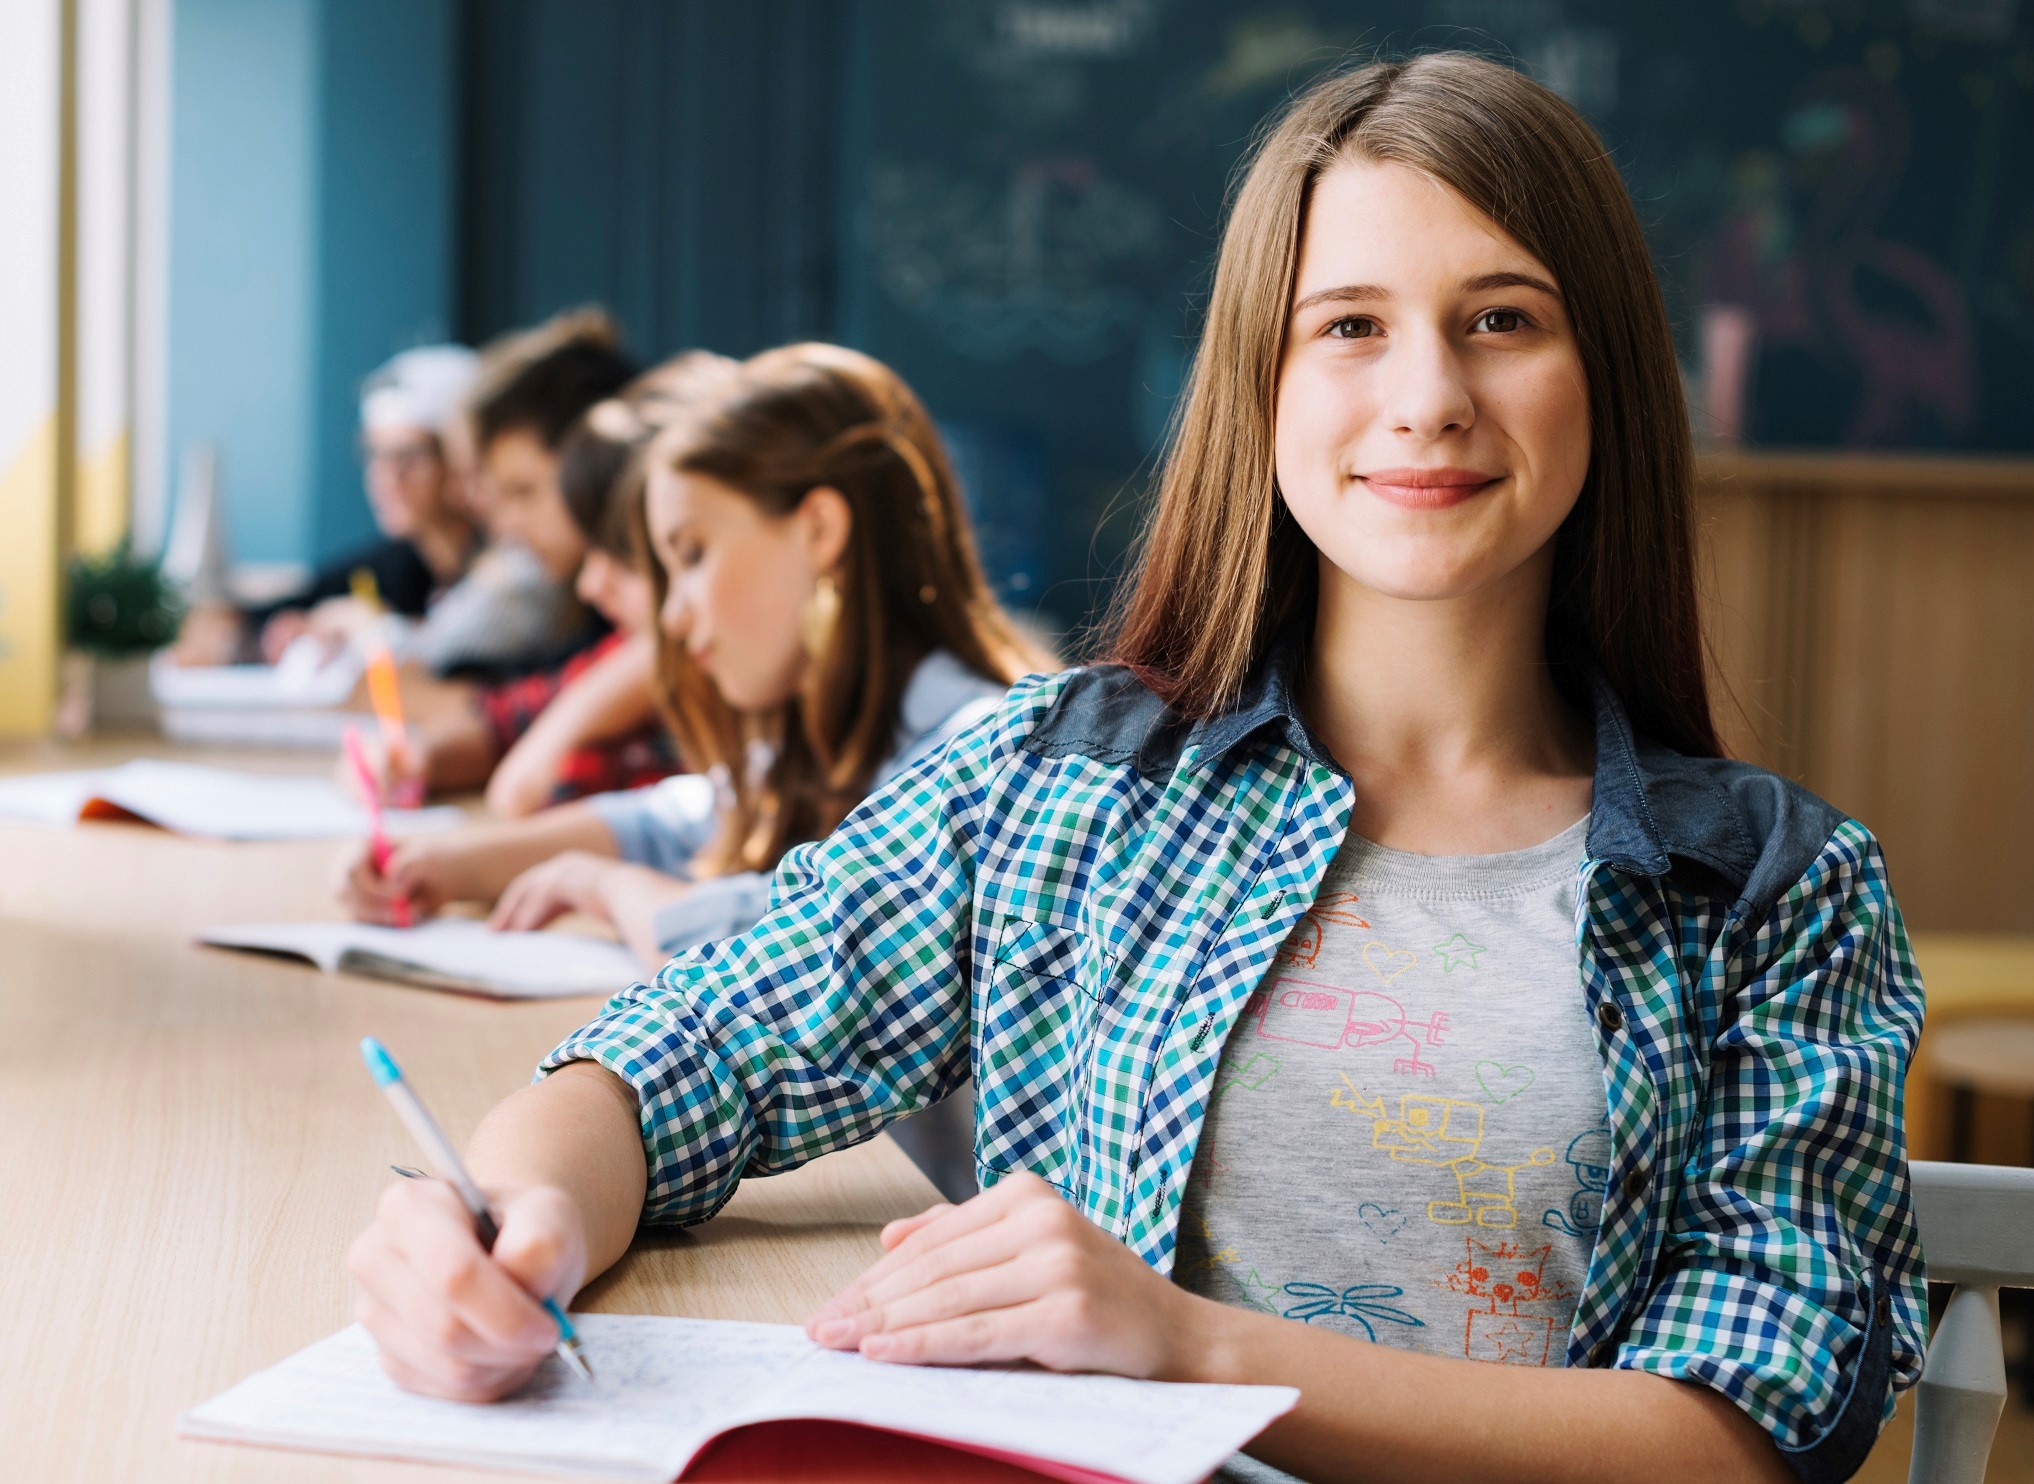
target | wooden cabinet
x=1871, y=626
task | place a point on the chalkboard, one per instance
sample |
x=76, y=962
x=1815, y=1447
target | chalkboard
x=1034, y=190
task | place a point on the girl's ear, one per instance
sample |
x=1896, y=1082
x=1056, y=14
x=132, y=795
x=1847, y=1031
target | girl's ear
x=827, y=521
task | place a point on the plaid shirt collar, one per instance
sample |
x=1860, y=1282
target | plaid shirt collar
x=1650, y=807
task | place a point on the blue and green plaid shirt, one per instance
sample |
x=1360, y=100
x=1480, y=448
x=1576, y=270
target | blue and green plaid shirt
x=1073, y=899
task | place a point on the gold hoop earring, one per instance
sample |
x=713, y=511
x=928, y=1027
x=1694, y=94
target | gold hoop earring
x=822, y=614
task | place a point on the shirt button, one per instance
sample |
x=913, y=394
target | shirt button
x=1602, y=1352
x=1610, y=1017
x=1635, y=1184
x=1885, y=1307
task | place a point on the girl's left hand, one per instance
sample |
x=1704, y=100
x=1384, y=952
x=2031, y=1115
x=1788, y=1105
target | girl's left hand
x=1014, y=1274
x=572, y=881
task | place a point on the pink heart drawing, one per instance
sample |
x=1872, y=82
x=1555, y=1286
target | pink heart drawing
x=1386, y=963
x=1501, y=1082
x=1384, y=1224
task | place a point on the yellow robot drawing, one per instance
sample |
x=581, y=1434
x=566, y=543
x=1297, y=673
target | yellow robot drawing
x=1448, y=1133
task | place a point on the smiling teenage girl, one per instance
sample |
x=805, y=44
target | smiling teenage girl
x=1289, y=950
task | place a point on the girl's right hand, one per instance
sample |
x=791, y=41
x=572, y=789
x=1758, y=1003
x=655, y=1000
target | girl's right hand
x=421, y=874
x=451, y=1319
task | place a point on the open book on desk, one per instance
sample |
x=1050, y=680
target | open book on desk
x=448, y=953
x=666, y=1388
x=208, y=803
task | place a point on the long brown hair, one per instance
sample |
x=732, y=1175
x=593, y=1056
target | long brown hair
x=1220, y=540
x=789, y=421
x=601, y=465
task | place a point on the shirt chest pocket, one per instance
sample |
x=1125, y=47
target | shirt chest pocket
x=1031, y=1022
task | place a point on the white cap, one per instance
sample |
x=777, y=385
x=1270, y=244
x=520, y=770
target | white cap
x=421, y=388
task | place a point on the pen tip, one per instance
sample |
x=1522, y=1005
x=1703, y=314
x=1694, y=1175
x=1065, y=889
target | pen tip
x=379, y=1062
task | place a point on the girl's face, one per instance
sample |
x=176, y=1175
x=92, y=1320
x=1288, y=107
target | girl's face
x=1432, y=428
x=740, y=579
x=614, y=589
x=406, y=479
x=524, y=506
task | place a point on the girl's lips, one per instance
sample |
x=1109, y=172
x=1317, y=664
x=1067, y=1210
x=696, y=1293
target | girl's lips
x=1427, y=489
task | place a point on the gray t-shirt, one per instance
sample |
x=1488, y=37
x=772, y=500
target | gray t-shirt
x=1407, y=1139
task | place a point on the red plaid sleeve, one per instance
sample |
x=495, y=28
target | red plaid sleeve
x=511, y=707
x=643, y=757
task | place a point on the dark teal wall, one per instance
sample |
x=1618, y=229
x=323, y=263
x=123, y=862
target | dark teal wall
x=387, y=204
x=675, y=162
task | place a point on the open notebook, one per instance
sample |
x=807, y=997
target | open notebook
x=665, y=1388
x=448, y=953
x=210, y=803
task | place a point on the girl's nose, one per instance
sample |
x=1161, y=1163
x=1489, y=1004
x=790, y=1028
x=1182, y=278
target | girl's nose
x=1429, y=395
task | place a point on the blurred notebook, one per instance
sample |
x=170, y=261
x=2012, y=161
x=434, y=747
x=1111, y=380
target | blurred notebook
x=211, y=803
x=448, y=953
x=666, y=1388
x=305, y=677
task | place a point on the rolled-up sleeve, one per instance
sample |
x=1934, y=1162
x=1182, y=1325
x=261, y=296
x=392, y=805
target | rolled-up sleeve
x=845, y=1008
x=663, y=825
x=1791, y=1277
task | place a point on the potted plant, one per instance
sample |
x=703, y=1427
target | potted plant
x=118, y=610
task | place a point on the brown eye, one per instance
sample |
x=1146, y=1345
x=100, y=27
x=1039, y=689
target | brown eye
x=1500, y=321
x=1352, y=327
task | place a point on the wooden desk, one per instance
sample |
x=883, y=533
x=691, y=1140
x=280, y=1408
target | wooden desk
x=190, y=1144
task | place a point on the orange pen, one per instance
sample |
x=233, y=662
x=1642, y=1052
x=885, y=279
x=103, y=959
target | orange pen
x=385, y=693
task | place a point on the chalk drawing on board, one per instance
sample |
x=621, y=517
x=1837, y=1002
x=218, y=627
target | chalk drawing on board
x=1038, y=261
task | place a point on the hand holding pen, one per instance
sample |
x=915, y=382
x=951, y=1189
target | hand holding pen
x=378, y=846
x=447, y=1282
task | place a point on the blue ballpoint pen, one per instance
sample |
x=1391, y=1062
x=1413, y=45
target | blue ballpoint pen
x=418, y=1120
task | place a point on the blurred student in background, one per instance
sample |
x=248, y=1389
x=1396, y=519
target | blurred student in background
x=416, y=491
x=591, y=724
x=514, y=611
x=822, y=624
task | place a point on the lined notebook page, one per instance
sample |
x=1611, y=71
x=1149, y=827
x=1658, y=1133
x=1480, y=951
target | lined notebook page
x=667, y=1387
x=654, y=1406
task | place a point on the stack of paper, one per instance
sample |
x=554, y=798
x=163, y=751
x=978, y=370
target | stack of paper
x=293, y=703
x=665, y=1388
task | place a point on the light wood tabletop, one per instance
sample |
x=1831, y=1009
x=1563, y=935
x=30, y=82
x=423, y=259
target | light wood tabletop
x=190, y=1143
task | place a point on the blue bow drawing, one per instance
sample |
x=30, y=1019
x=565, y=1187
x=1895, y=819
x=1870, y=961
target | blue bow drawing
x=1359, y=1302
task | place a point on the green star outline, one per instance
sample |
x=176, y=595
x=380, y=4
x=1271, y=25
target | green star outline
x=1453, y=957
